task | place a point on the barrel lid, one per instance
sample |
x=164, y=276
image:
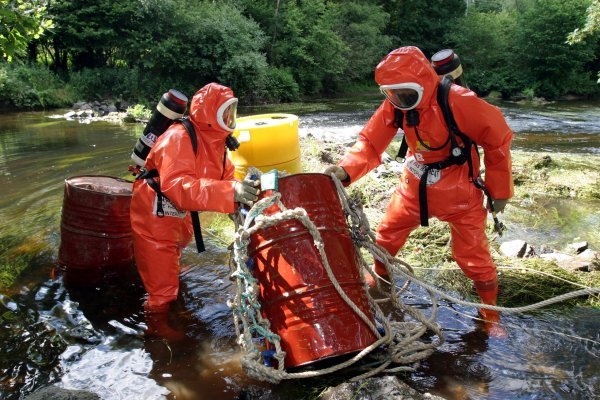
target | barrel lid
x=178, y=97
x=264, y=120
x=101, y=184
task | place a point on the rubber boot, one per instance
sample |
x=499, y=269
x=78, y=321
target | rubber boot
x=380, y=270
x=488, y=293
x=157, y=321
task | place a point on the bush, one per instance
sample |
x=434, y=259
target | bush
x=280, y=85
x=32, y=87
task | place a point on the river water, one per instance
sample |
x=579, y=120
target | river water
x=93, y=338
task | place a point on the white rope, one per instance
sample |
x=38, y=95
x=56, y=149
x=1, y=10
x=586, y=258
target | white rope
x=515, y=269
x=509, y=310
x=402, y=339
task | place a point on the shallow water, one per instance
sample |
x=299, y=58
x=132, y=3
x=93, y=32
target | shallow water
x=93, y=338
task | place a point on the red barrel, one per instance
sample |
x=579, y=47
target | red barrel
x=95, y=231
x=297, y=296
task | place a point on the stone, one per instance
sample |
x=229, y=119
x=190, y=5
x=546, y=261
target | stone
x=514, y=248
x=376, y=388
x=557, y=257
x=578, y=247
x=588, y=255
x=545, y=249
x=56, y=393
x=567, y=262
x=529, y=252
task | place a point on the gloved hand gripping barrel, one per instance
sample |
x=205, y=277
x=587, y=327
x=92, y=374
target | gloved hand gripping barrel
x=172, y=106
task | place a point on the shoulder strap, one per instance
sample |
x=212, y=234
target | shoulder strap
x=398, y=123
x=442, y=97
x=189, y=128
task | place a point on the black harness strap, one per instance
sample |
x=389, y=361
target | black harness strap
x=458, y=155
x=151, y=174
x=195, y=216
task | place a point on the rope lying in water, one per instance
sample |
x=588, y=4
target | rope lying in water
x=402, y=339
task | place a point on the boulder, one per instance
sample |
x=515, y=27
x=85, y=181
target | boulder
x=514, y=248
x=56, y=393
x=377, y=388
x=569, y=262
x=578, y=247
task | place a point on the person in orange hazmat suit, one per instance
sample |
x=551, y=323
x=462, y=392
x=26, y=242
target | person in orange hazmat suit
x=447, y=192
x=189, y=182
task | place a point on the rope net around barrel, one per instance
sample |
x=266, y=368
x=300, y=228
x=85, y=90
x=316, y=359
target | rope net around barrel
x=402, y=341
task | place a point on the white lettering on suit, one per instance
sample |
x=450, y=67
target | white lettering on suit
x=417, y=169
x=169, y=209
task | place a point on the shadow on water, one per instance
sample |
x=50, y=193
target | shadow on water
x=92, y=338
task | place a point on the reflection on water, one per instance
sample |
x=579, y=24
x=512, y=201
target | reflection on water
x=102, y=348
x=554, y=222
x=93, y=338
x=556, y=127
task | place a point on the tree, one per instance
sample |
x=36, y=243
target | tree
x=422, y=24
x=591, y=27
x=20, y=22
x=91, y=33
x=485, y=42
x=361, y=26
x=556, y=67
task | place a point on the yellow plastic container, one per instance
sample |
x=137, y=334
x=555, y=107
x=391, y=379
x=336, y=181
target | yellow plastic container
x=267, y=141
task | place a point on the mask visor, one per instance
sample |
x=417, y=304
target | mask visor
x=404, y=96
x=227, y=114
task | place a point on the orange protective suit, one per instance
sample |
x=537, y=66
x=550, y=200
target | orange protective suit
x=451, y=195
x=192, y=182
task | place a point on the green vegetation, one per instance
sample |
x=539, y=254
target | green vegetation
x=139, y=112
x=31, y=86
x=284, y=51
x=21, y=21
x=558, y=175
x=523, y=281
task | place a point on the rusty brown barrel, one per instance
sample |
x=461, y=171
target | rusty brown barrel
x=95, y=231
x=297, y=296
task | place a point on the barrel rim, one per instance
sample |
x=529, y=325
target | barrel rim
x=280, y=119
x=99, y=176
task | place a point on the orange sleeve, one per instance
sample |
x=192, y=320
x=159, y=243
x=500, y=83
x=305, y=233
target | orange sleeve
x=175, y=161
x=485, y=124
x=373, y=139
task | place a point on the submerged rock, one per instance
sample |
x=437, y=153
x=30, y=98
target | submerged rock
x=378, y=388
x=56, y=393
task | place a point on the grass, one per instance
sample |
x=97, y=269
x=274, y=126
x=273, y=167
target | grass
x=428, y=248
x=556, y=175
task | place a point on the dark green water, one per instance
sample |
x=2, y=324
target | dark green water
x=92, y=338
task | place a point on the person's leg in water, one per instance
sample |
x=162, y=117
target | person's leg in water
x=158, y=266
x=399, y=221
x=470, y=249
